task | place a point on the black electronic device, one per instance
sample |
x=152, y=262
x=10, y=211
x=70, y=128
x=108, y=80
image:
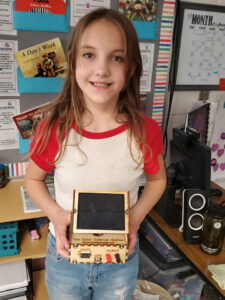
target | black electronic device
x=194, y=204
x=191, y=160
x=189, y=169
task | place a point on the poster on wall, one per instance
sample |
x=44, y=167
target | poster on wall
x=79, y=8
x=8, y=65
x=217, y=144
x=9, y=138
x=147, y=54
x=200, y=43
x=6, y=23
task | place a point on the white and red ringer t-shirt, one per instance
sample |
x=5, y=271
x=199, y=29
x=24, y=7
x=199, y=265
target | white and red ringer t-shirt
x=108, y=165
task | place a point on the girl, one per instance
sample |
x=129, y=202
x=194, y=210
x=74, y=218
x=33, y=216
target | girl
x=95, y=138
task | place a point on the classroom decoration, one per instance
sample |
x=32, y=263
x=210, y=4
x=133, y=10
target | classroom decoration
x=217, y=144
x=146, y=30
x=6, y=24
x=199, y=51
x=41, y=21
x=27, y=121
x=8, y=83
x=143, y=16
x=16, y=169
x=44, y=7
x=162, y=66
x=24, y=145
x=46, y=59
x=79, y=8
x=39, y=84
x=41, y=68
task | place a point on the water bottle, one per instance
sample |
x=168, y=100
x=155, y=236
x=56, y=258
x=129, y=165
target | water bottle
x=213, y=229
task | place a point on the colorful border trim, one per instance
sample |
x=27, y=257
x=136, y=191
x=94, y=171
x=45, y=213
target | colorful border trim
x=16, y=169
x=162, y=65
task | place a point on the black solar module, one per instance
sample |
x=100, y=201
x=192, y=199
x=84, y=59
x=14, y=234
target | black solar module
x=101, y=211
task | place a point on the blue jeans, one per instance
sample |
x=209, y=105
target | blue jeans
x=66, y=281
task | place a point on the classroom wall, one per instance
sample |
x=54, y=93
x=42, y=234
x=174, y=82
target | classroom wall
x=27, y=101
x=183, y=101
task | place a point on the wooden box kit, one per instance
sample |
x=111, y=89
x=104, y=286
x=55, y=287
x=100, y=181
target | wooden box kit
x=99, y=227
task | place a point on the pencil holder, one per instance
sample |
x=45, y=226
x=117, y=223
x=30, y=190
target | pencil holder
x=8, y=239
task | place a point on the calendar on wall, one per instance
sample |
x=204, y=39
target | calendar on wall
x=200, y=56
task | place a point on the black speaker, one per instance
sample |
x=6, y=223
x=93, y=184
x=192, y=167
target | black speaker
x=194, y=203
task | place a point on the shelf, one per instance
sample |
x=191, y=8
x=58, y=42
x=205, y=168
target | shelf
x=11, y=204
x=40, y=291
x=29, y=248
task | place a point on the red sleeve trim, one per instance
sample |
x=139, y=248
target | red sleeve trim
x=155, y=142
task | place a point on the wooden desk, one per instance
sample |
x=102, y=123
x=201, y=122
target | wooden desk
x=11, y=209
x=199, y=259
x=11, y=204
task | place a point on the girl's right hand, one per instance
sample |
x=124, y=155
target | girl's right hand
x=61, y=221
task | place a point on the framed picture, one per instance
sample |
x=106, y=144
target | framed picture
x=199, y=56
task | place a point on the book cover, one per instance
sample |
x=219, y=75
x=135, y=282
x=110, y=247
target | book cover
x=139, y=10
x=41, y=6
x=43, y=60
x=27, y=121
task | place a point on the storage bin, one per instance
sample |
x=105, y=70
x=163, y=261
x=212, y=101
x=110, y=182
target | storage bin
x=160, y=263
x=8, y=238
x=189, y=287
x=162, y=252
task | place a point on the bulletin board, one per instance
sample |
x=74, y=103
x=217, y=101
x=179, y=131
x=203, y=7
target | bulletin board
x=199, y=48
x=154, y=99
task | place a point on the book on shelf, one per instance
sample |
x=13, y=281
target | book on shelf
x=43, y=7
x=28, y=205
x=46, y=59
x=27, y=121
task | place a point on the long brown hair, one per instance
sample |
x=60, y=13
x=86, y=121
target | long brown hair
x=69, y=106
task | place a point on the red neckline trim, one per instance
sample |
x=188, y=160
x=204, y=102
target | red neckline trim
x=102, y=135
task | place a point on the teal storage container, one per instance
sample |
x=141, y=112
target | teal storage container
x=8, y=239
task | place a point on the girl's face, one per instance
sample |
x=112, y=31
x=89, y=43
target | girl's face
x=100, y=67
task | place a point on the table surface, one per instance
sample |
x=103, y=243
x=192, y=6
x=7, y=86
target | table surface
x=193, y=253
x=11, y=203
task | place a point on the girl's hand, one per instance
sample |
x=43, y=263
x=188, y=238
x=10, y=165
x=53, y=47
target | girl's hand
x=61, y=221
x=134, y=226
